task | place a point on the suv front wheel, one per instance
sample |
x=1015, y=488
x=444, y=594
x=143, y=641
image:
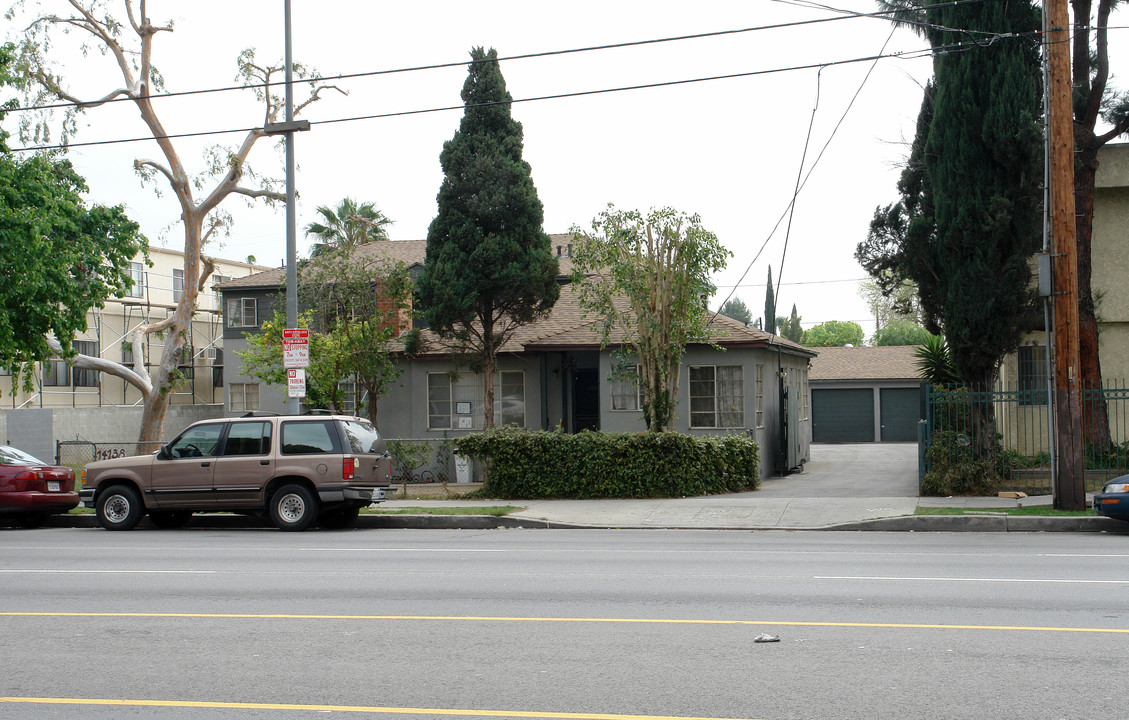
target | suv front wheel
x=119, y=508
x=293, y=508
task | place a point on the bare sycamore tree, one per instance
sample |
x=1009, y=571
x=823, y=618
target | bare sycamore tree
x=130, y=47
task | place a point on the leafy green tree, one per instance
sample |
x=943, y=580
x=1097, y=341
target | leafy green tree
x=769, y=306
x=899, y=303
x=262, y=360
x=736, y=309
x=1095, y=98
x=790, y=328
x=362, y=302
x=58, y=257
x=346, y=226
x=834, y=333
x=901, y=332
x=489, y=267
x=644, y=279
x=356, y=305
x=125, y=45
x=968, y=219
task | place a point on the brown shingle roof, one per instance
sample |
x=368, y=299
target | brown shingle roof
x=410, y=252
x=892, y=362
x=566, y=325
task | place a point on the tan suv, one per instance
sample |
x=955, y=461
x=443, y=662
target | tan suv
x=298, y=469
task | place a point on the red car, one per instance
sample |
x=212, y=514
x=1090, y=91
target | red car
x=30, y=490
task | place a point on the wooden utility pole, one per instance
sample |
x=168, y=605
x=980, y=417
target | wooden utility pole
x=1070, y=483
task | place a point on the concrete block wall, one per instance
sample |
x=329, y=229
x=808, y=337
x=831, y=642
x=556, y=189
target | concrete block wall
x=36, y=430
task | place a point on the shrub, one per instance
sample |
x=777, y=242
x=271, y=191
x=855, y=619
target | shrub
x=956, y=469
x=524, y=464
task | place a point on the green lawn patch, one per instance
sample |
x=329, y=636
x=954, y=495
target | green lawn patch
x=495, y=510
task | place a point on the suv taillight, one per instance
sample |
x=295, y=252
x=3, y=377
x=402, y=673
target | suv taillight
x=348, y=465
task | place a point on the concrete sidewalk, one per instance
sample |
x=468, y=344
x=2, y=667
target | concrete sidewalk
x=870, y=486
x=844, y=487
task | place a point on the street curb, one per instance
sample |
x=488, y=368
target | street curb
x=903, y=523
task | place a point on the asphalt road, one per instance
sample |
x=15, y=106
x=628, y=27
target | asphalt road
x=562, y=624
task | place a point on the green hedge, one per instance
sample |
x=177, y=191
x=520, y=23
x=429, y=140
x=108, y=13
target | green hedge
x=524, y=464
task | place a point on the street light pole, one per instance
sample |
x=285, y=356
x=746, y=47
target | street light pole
x=293, y=405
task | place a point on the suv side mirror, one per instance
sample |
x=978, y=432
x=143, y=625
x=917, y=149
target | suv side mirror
x=163, y=453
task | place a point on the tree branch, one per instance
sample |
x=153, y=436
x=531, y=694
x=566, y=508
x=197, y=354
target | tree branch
x=87, y=362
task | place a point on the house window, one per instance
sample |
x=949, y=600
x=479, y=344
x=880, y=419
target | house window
x=84, y=377
x=717, y=396
x=760, y=396
x=510, y=408
x=1032, y=375
x=457, y=402
x=438, y=401
x=219, y=280
x=348, y=397
x=242, y=312
x=804, y=391
x=137, y=274
x=243, y=397
x=217, y=369
x=186, y=362
x=177, y=285
x=56, y=373
x=625, y=390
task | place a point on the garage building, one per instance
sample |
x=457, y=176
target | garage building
x=865, y=394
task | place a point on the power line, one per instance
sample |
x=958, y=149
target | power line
x=801, y=282
x=846, y=15
x=902, y=55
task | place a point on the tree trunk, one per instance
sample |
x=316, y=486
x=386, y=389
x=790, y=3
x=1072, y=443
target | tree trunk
x=1095, y=414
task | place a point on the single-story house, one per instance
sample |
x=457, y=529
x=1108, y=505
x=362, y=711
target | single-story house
x=865, y=394
x=553, y=373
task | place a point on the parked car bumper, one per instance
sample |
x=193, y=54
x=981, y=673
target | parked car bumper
x=352, y=495
x=1114, y=505
x=37, y=502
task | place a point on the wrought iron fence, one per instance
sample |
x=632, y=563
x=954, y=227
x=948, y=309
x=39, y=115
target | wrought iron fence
x=76, y=453
x=998, y=438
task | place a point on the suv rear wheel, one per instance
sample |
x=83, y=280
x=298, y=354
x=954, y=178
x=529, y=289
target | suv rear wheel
x=119, y=508
x=293, y=508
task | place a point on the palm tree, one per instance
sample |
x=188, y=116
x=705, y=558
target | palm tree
x=347, y=226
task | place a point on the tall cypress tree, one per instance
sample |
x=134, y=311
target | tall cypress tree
x=769, y=306
x=969, y=216
x=489, y=267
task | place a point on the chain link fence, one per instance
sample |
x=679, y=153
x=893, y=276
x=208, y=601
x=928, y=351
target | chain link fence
x=76, y=453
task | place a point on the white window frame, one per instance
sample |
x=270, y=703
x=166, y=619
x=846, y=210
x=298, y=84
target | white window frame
x=625, y=391
x=759, y=411
x=177, y=284
x=243, y=397
x=242, y=309
x=446, y=396
x=137, y=273
x=721, y=407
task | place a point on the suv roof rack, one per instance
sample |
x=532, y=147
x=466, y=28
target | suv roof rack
x=258, y=413
x=319, y=411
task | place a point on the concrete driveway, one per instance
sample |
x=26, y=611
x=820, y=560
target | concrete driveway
x=855, y=470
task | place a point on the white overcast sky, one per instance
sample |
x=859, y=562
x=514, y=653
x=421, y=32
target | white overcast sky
x=729, y=150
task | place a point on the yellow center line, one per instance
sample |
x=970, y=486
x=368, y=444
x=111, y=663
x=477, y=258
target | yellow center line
x=349, y=708
x=490, y=618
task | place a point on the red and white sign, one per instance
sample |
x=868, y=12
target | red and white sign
x=296, y=383
x=295, y=348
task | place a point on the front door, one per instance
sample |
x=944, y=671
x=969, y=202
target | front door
x=185, y=478
x=585, y=400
